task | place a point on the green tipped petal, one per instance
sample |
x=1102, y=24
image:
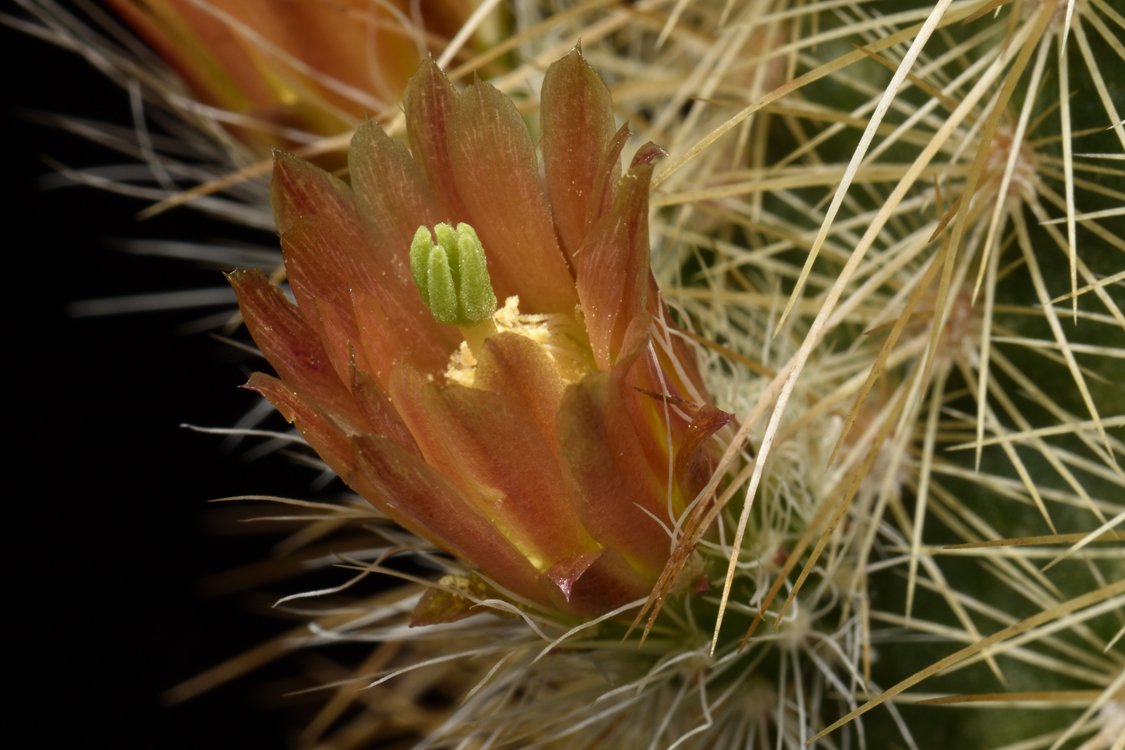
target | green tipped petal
x=452, y=276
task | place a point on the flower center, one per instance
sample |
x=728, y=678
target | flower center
x=452, y=277
x=563, y=338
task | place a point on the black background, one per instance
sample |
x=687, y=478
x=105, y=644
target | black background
x=108, y=541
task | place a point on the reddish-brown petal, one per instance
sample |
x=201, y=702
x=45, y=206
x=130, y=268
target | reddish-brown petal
x=591, y=584
x=313, y=67
x=647, y=154
x=381, y=342
x=316, y=426
x=392, y=332
x=603, y=189
x=430, y=505
x=325, y=38
x=428, y=104
x=378, y=411
x=522, y=370
x=302, y=189
x=652, y=423
x=694, y=462
x=633, y=345
x=391, y=195
x=642, y=379
x=613, y=274
x=296, y=30
x=336, y=332
x=406, y=489
x=332, y=263
x=291, y=345
x=497, y=176
x=325, y=260
x=492, y=449
x=611, y=483
x=576, y=116
x=216, y=68
x=604, y=287
x=631, y=203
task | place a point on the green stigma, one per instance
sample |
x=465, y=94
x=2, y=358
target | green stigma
x=452, y=275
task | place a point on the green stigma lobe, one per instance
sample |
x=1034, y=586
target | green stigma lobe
x=452, y=275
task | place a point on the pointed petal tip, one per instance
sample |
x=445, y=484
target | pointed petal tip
x=300, y=188
x=593, y=583
x=694, y=463
x=239, y=276
x=444, y=605
x=577, y=125
x=250, y=283
x=646, y=154
x=427, y=74
x=285, y=160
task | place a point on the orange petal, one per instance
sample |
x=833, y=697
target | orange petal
x=497, y=176
x=433, y=516
x=492, y=449
x=608, y=175
x=633, y=345
x=323, y=434
x=521, y=369
x=331, y=39
x=642, y=378
x=333, y=263
x=591, y=584
x=392, y=331
x=654, y=425
x=631, y=203
x=325, y=259
x=337, y=332
x=605, y=288
x=406, y=489
x=291, y=345
x=216, y=67
x=302, y=189
x=682, y=351
x=378, y=411
x=611, y=483
x=430, y=505
x=428, y=104
x=576, y=116
x=391, y=194
x=317, y=67
x=613, y=275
